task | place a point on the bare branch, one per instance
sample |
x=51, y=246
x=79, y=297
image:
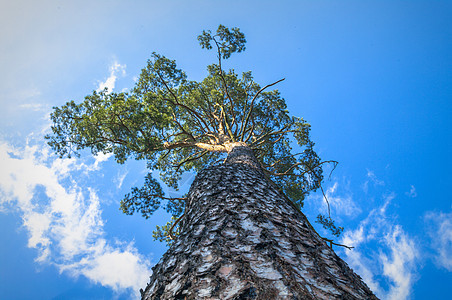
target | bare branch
x=320, y=184
x=191, y=158
x=336, y=244
x=170, y=232
x=210, y=110
x=251, y=132
x=326, y=199
x=167, y=198
x=225, y=84
x=228, y=128
x=185, y=144
x=335, y=163
x=166, y=154
x=245, y=123
x=284, y=157
x=220, y=120
x=282, y=131
x=298, y=164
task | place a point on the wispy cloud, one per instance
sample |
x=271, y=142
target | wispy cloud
x=64, y=222
x=412, y=193
x=439, y=227
x=120, y=178
x=116, y=69
x=387, y=200
x=400, y=264
x=383, y=248
x=26, y=93
x=373, y=178
x=340, y=199
x=33, y=106
x=343, y=205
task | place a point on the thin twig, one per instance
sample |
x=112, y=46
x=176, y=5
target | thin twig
x=191, y=158
x=168, y=198
x=197, y=116
x=170, y=232
x=225, y=84
x=326, y=199
x=336, y=244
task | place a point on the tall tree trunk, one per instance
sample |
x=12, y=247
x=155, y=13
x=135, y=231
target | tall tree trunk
x=242, y=239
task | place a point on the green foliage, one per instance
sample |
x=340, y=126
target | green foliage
x=162, y=233
x=328, y=224
x=146, y=199
x=178, y=125
x=228, y=40
x=110, y=123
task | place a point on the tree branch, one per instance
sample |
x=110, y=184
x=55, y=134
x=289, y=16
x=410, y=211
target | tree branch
x=284, y=157
x=191, y=158
x=209, y=107
x=224, y=83
x=197, y=116
x=204, y=146
x=251, y=131
x=251, y=107
x=298, y=164
x=282, y=131
x=168, y=198
x=227, y=124
x=336, y=244
x=170, y=232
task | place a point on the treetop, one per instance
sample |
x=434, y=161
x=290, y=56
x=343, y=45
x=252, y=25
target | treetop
x=178, y=125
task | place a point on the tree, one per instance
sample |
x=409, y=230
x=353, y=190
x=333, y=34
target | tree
x=240, y=230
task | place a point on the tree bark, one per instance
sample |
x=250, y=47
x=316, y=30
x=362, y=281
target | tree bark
x=241, y=239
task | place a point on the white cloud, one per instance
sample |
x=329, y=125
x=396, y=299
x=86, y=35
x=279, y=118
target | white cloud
x=119, y=269
x=120, y=178
x=99, y=158
x=412, y=193
x=24, y=94
x=398, y=266
x=33, y=106
x=395, y=258
x=342, y=205
x=340, y=200
x=64, y=222
x=115, y=70
x=365, y=186
x=360, y=263
x=388, y=199
x=440, y=231
x=371, y=175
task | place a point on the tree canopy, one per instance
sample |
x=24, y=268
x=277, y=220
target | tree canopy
x=178, y=125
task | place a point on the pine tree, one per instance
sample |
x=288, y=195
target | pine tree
x=239, y=233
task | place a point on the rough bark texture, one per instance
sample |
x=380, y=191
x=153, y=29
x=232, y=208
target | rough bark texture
x=241, y=239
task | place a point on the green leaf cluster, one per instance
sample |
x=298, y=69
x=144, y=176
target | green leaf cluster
x=328, y=224
x=228, y=41
x=162, y=233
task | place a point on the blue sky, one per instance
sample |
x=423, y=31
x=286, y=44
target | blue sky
x=374, y=79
